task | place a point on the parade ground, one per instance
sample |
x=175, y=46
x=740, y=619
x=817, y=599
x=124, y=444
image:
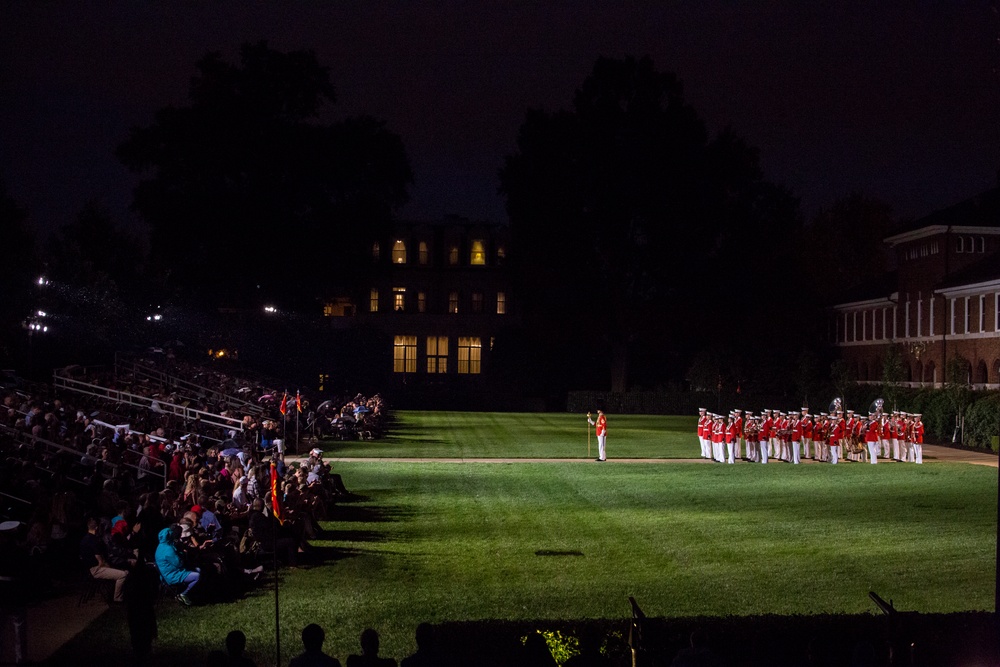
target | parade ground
x=489, y=516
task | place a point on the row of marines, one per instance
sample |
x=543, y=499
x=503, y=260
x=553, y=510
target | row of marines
x=786, y=436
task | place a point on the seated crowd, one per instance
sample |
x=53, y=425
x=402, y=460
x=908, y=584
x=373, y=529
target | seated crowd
x=103, y=489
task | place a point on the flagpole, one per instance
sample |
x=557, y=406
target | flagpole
x=274, y=556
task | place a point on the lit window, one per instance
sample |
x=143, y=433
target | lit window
x=375, y=250
x=501, y=303
x=477, y=302
x=327, y=309
x=453, y=255
x=404, y=354
x=423, y=255
x=373, y=300
x=477, y=257
x=399, y=252
x=398, y=298
x=469, y=355
x=453, y=302
x=437, y=354
x=421, y=302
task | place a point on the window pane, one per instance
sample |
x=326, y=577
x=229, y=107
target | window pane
x=399, y=252
x=469, y=355
x=501, y=303
x=477, y=256
x=373, y=300
x=423, y=254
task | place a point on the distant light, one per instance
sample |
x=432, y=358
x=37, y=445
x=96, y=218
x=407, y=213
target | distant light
x=155, y=317
x=42, y=281
x=270, y=309
x=41, y=313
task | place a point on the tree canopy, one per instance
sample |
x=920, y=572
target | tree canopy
x=625, y=210
x=250, y=185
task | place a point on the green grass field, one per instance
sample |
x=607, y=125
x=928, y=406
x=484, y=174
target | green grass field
x=524, y=435
x=433, y=541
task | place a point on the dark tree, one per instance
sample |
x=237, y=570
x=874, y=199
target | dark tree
x=845, y=247
x=93, y=250
x=18, y=269
x=251, y=185
x=625, y=211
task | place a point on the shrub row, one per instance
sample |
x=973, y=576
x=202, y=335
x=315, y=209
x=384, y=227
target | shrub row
x=915, y=639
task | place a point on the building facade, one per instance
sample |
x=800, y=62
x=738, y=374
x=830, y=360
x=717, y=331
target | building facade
x=942, y=302
x=439, y=293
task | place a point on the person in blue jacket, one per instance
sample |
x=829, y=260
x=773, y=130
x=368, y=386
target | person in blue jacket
x=171, y=564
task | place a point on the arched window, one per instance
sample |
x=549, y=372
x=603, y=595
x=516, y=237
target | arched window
x=376, y=251
x=981, y=377
x=453, y=255
x=399, y=252
x=423, y=254
x=996, y=371
x=477, y=255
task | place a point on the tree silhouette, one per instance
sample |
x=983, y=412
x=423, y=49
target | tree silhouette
x=624, y=209
x=249, y=185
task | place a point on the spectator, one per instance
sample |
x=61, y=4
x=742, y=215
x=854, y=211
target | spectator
x=313, y=656
x=171, y=564
x=236, y=644
x=369, y=652
x=426, y=655
x=94, y=555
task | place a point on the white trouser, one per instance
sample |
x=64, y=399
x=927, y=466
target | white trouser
x=834, y=454
x=600, y=446
x=895, y=449
x=729, y=448
x=873, y=452
x=805, y=446
x=795, y=451
x=885, y=449
x=763, y=451
x=918, y=452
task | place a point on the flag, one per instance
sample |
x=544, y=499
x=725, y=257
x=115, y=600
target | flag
x=284, y=403
x=275, y=501
x=298, y=401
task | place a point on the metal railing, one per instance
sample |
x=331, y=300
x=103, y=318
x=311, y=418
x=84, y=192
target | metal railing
x=156, y=405
x=138, y=369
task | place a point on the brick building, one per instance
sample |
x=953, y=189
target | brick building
x=943, y=300
x=438, y=294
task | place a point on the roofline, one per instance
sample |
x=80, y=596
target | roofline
x=970, y=289
x=867, y=303
x=934, y=230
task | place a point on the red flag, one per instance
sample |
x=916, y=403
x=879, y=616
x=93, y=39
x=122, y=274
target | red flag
x=284, y=403
x=275, y=502
x=298, y=402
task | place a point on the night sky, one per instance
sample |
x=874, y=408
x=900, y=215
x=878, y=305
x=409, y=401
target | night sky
x=900, y=103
